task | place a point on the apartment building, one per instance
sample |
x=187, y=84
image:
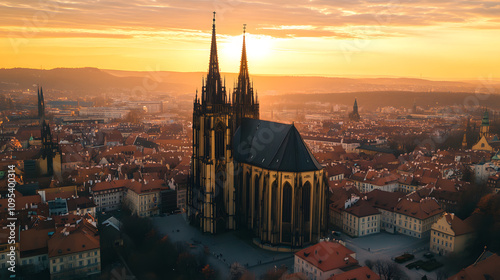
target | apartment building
x=416, y=217
x=74, y=252
x=450, y=234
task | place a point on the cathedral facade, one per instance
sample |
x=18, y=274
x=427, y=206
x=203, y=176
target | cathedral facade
x=249, y=173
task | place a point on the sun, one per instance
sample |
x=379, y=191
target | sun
x=259, y=48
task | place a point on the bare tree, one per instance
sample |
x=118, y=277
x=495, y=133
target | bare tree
x=441, y=274
x=388, y=270
x=239, y=272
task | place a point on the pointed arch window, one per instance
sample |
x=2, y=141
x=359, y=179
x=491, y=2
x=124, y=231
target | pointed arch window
x=306, y=201
x=274, y=199
x=287, y=203
x=219, y=140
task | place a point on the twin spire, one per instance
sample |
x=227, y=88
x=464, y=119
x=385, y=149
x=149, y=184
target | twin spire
x=41, y=105
x=214, y=92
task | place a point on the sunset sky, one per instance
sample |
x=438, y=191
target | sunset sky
x=419, y=38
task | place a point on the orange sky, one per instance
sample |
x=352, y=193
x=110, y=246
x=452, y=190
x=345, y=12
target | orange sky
x=418, y=38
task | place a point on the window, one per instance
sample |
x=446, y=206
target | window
x=306, y=201
x=287, y=203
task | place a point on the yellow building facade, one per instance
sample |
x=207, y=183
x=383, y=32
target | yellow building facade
x=450, y=234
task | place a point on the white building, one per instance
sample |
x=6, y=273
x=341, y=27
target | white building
x=108, y=196
x=361, y=219
x=416, y=217
x=143, y=198
x=108, y=113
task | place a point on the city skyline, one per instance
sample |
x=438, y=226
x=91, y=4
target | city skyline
x=422, y=39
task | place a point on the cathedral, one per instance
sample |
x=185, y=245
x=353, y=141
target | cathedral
x=248, y=173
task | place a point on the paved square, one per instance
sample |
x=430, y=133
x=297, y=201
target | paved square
x=225, y=248
x=230, y=247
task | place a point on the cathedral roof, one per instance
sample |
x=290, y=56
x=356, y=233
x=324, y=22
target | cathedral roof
x=273, y=146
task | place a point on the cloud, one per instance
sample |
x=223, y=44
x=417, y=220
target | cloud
x=293, y=18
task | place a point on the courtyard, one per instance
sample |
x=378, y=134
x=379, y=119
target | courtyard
x=236, y=246
x=387, y=246
x=224, y=249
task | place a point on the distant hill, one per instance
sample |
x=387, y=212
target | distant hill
x=374, y=100
x=93, y=81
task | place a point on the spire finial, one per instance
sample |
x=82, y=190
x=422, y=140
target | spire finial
x=244, y=28
x=214, y=17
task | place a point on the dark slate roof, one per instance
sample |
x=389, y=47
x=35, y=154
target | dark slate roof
x=273, y=146
x=139, y=141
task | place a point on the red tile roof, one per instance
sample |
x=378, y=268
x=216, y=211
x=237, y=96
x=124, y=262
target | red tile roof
x=486, y=269
x=327, y=256
x=68, y=241
x=422, y=209
x=457, y=225
x=34, y=241
x=362, y=208
x=360, y=273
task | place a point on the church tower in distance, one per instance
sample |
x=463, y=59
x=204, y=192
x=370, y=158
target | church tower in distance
x=354, y=115
x=211, y=190
x=485, y=125
x=49, y=163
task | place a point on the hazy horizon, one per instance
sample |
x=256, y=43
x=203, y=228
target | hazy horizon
x=203, y=73
x=422, y=39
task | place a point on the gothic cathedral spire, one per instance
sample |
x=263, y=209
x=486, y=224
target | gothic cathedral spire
x=244, y=89
x=244, y=102
x=354, y=115
x=41, y=105
x=213, y=91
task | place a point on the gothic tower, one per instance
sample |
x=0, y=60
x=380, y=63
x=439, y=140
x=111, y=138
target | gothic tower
x=354, y=115
x=41, y=106
x=50, y=157
x=485, y=125
x=211, y=190
x=245, y=104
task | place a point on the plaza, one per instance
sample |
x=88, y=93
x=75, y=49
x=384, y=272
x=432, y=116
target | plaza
x=237, y=246
x=225, y=248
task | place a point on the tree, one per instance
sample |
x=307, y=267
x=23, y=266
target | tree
x=134, y=116
x=275, y=273
x=442, y=274
x=208, y=272
x=389, y=270
x=238, y=272
x=469, y=198
x=369, y=264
